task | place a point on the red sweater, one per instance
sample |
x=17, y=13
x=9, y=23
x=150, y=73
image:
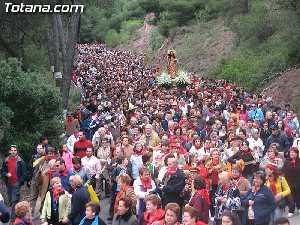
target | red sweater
x=80, y=147
x=12, y=169
x=149, y=219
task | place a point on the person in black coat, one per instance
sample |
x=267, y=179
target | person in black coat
x=245, y=154
x=280, y=138
x=291, y=170
x=80, y=197
x=173, y=183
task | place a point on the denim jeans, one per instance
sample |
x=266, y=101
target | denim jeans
x=278, y=212
x=13, y=192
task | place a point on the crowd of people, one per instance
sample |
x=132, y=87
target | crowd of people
x=209, y=152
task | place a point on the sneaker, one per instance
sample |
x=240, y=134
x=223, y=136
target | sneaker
x=289, y=215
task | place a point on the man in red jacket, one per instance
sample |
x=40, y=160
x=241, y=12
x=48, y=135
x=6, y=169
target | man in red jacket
x=14, y=173
x=81, y=145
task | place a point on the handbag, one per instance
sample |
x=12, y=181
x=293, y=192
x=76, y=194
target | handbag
x=250, y=213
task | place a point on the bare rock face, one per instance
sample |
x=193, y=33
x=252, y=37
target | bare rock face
x=285, y=89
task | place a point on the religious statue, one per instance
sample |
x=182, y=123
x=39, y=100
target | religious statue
x=172, y=63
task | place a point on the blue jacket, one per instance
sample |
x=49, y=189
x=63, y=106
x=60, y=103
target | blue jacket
x=97, y=221
x=281, y=139
x=21, y=170
x=78, y=201
x=65, y=183
x=264, y=204
x=256, y=114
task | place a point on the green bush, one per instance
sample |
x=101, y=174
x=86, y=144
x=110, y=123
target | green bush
x=94, y=25
x=165, y=24
x=30, y=108
x=177, y=13
x=35, y=57
x=112, y=38
x=245, y=69
x=129, y=29
x=296, y=105
x=156, y=39
x=150, y=5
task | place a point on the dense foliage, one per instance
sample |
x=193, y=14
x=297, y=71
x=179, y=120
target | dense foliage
x=266, y=43
x=29, y=108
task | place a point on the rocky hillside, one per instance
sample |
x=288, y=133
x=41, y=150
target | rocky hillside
x=285, y=89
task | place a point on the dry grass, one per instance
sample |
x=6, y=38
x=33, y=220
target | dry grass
x=200, y=47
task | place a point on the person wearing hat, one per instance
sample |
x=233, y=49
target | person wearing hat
x=14, y=173
x=190, y=173
x=280, y=138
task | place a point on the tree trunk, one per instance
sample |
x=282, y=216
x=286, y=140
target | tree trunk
x=56, y=62
x=50, y=47
x=68, y=41
x=245, y=6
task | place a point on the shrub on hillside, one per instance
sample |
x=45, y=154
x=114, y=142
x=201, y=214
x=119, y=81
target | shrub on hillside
x=177, y=13
x=150, y=5
x=246, y=70
x=129, y=29
x=94, y=25
x=112, y=38
x=156, y=39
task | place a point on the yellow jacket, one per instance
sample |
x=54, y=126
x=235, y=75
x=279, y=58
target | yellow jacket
x=282, y=187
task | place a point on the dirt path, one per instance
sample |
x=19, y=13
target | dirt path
x=142, y=44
